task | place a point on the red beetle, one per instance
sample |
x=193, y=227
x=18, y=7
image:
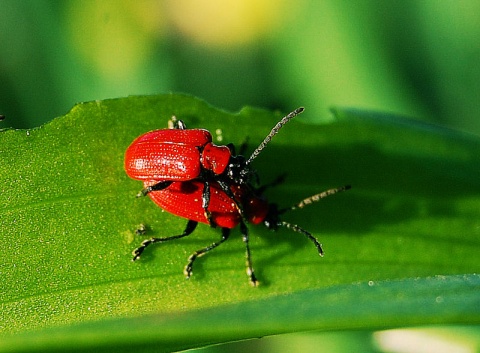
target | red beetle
x=185, y=199
x=169, y=155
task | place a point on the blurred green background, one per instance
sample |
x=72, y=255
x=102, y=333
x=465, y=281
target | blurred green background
x=415, y=58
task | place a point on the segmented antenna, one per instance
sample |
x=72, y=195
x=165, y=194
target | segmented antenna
x=303, y=203
x=272, y=133
x=315, y=198
x=297, y=229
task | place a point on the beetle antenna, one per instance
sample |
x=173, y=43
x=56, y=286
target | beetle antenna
x=315, y=198
x=302, y=204
x=297, y=229
x=274, y=131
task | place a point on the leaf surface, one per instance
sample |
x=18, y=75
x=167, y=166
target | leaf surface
x=401, y=247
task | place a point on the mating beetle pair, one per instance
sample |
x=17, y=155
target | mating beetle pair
x=187, y=175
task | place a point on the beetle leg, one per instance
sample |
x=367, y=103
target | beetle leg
x=206, y=203
x=189, y=268
x=191, y=225
x=174, y=123
x=250, y=273
x=155, y=187
x=179, y=124
x=226, y=189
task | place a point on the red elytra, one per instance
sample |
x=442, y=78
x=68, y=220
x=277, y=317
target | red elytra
x=184, y=199
x=174, y=154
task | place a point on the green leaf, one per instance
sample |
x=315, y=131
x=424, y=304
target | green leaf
x=401, y=247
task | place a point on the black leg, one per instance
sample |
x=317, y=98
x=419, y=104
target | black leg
x=191, y=225
x=226, y=189
x=250, y=273
x=178, y=124
x=206, y=199
x=155, y=187
x=189, y=268
x=206, y=203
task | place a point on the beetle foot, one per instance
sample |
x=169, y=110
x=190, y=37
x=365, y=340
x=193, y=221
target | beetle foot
x=188, y=271
x=253, y=279
x=136, y=254
x=141, y=230
x=144, y=192
x=189, y=268
x=138, y=251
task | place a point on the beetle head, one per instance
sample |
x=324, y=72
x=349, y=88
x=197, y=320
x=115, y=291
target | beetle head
x=239, y=171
